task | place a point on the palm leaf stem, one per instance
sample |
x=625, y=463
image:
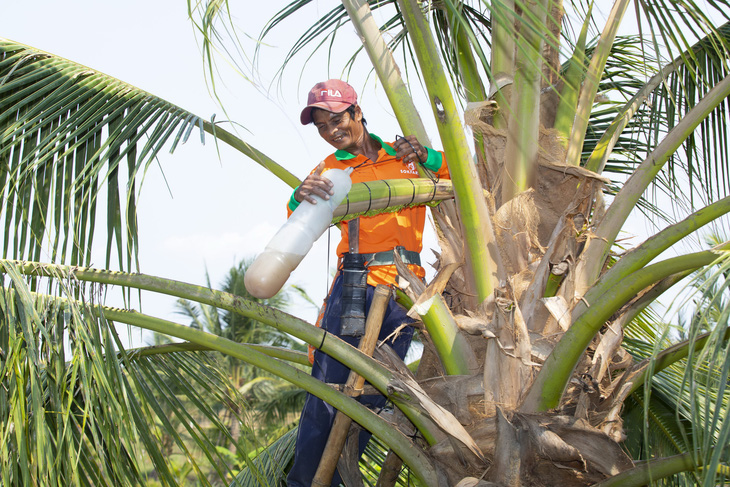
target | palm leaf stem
x=483, y=262
x=390, y=77
x=671, y=355
x=405, y=449
x=275, y=352
x=547, y=389
x=524, y=126
x=253, y=153
x=387, y=70
x=565, y=113
x=398, y=442
x=468, y=71
x=592, y=259
x=464, y=37
x=650, y=471
x=632, y=310
x=451, y=346
x=592, y=81
x=650, y=249
x=373, y=371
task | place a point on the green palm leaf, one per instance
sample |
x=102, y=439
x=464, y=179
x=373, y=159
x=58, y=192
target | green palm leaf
x=72, y=138
x=70, y=134
x=77, y=409
x=687, y=403
x=268, y=467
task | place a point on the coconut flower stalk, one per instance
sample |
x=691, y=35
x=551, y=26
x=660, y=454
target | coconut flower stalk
x=523, y=128
x=482, y=259
x=385, y=67
x=593, y=78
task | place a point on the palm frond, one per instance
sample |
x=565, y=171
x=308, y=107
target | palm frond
x=70, y=134
x=268, y=468
x=72, y=138
x=77, y=409
x=703, y=159
x=687, y=403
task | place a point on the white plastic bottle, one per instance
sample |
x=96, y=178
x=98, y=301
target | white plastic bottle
x=271, y=269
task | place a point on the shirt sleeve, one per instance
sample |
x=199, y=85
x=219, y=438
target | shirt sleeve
x=435, y=162
x=292, y=204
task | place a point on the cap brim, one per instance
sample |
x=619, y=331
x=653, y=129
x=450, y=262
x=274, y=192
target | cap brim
x=334, y=107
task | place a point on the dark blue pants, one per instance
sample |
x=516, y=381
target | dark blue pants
x=317, y=415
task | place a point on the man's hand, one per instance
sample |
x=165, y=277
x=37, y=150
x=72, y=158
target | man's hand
x=315, y=183
x=409, y=149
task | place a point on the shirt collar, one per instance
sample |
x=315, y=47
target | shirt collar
x=343, y=155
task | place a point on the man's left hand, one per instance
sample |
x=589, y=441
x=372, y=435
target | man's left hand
x=410, y=150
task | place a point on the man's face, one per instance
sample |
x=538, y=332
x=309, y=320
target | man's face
x=341, y=130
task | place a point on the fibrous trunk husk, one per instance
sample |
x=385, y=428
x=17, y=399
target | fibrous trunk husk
x=539, y=234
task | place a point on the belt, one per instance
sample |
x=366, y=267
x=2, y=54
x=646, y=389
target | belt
x=386, y=257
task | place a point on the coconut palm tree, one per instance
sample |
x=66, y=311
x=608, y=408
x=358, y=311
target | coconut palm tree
x=528, y=322
x=272, y=404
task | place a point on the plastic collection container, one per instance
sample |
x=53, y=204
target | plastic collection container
x=271, y=269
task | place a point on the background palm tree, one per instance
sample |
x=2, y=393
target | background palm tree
x=272, y=404
x=544, y=290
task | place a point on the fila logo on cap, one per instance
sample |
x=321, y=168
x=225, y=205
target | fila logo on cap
x=332, y=93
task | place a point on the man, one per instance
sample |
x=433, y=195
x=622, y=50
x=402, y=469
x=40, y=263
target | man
x=332, y=108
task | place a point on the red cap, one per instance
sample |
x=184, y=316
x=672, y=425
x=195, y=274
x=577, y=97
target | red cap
x=333, y=95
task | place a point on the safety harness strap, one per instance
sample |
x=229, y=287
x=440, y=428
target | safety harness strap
x=386, y=258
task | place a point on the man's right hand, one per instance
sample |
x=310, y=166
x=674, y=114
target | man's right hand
x=315, y=183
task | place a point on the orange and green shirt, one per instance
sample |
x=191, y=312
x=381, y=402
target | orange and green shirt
x=385, y=231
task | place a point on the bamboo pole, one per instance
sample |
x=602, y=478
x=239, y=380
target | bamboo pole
x=353, y=388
